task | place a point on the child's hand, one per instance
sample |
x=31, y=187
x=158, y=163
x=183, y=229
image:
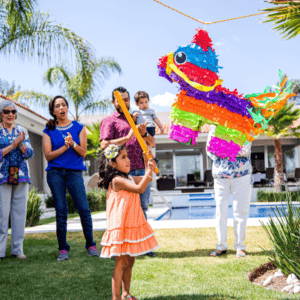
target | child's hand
x=145, y=159
x=151, y=164
x=135, y=114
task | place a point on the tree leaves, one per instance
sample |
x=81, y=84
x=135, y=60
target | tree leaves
x=30, y=34
x=286, y=17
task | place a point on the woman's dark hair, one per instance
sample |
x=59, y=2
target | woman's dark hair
x=107, y=172
x=51, y=124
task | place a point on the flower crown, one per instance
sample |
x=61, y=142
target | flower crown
x=111, y=151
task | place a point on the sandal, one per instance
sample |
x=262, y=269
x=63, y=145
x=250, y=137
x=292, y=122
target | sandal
x=130, y=298
x=240, y=255
x=216, y=253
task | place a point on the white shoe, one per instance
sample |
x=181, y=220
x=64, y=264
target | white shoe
x=21, y=256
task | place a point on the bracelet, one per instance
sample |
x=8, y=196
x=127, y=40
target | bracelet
x=60, y=150
x=149, y=176
x=21, y=146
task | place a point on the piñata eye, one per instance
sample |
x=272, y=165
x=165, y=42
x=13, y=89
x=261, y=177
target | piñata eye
x=180, y=58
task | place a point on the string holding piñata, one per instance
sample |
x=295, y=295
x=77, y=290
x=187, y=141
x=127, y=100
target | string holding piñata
x=203, y=100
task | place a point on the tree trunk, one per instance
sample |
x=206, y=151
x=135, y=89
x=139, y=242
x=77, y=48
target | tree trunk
x=278, y=172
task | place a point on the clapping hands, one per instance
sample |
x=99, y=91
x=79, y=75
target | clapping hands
x=69, y=140
x=17, y=142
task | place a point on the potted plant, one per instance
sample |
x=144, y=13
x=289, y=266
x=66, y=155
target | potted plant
x=197, y=174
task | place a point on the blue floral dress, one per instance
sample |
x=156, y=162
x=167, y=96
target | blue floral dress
x=15, y=157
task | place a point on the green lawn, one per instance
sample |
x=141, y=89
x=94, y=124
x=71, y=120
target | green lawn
x=181, y=270
x=70, y=216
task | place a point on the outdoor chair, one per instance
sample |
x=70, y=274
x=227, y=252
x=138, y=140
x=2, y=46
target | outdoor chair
x=191, y=181
x=270, y=176
x=208, y=178
x=165, y=184
x=296, y=176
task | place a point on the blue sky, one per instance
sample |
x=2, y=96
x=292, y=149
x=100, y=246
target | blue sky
x=137, y=33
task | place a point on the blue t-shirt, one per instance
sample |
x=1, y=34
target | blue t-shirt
x=69, y=159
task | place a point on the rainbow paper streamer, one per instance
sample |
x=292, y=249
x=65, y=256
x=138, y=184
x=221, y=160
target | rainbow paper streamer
x=202, y=100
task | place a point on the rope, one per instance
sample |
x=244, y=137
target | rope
x=181, y=13
x=208, y=23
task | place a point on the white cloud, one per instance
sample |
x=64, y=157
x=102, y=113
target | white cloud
x=163, y=100
x=236, y=38
x=219, y=44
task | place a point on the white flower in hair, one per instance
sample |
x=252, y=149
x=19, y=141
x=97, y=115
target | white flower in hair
x=111, y=151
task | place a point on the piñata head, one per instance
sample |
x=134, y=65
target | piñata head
x=202, y=100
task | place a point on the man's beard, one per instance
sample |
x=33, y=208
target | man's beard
x=120, y=110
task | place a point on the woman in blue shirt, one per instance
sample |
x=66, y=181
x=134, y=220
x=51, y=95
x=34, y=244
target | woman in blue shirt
x=15, y=150
x=65, y=146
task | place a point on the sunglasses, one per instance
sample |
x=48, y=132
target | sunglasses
x=7, y=111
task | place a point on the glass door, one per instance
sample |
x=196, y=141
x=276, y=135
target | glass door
x=186, y=162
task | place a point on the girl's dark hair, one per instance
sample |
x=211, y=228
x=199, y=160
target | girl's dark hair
x=107, y=172
x=51, y=124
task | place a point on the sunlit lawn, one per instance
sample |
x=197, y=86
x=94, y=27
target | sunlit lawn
x=180, y=270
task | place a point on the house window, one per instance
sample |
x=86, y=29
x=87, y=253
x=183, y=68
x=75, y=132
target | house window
x=187, y=162
x=289, y=159
x=165, y=163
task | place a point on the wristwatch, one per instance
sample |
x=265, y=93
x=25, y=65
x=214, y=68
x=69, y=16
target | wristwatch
x=146, y=134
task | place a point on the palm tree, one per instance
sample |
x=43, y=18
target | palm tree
x=82, y=90
x=281, y=125
x=93, y=142
x=286, y=15
x=28, y=33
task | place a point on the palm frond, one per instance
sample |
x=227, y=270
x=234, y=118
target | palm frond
x=32, y=97
x=282, y=123
x=18, y=13
x=58, y=74
x=286, y=17
x=93, y=142
x=44, y=40
x=102, y=69
x=91, y=106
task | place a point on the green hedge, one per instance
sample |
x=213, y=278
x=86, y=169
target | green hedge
x=271, y=196
x=34, y=212
x=96, y=200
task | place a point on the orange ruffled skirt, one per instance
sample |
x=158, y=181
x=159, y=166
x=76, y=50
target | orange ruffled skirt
x=127, y=232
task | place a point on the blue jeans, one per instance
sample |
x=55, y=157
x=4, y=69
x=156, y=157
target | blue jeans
x=144, y=198
x=58, y=180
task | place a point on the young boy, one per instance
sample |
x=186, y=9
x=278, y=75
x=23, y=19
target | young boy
x=145, y=113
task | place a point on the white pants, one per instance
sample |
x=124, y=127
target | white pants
x=240, y=188
x=13, y=198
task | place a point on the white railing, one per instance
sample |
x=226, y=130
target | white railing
x=162, y=198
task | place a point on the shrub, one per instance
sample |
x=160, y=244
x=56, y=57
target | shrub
x=96, y=200
x=271, y=196
x=34, y=211
x=283, y=233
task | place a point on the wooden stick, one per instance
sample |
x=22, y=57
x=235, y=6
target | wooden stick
x=133, y=126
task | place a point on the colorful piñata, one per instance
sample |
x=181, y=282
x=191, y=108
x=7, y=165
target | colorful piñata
x=202, y=100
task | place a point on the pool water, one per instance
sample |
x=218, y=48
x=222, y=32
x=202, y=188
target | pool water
x=209, y=212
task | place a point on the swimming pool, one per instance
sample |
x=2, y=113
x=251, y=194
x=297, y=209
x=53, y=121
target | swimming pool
x=209, y=212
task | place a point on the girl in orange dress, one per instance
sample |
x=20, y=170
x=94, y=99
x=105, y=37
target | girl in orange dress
x=128, y=234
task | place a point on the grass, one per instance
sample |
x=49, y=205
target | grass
x=70, y=216
x=181, y=269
